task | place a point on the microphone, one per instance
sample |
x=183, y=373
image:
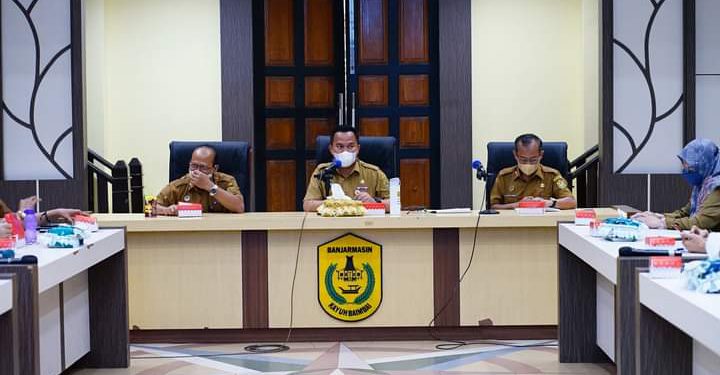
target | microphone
x=327, y=173
x=481, y=174
x=627, y=251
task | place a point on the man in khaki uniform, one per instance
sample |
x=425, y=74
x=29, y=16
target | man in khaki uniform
x=359, y=180
x=216, y=191
x=530, y=180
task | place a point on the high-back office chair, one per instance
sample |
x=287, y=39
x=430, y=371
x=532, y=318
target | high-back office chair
x=233, y=158
x=500, y=156
x=380, y=151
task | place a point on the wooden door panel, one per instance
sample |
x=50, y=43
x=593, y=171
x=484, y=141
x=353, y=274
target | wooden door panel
x=319, y=92
x=280, y=134
x=315, y=127
x=415, y=182
x=414, y=90
x=280, y=183
x=414, y=132
x=280, y=92
x=319, y=40
x=279, y=36
x=413, y=34
x=373, y=91
x=375, y=126
x=372, y=32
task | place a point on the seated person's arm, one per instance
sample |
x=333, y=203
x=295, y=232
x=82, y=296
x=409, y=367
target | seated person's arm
x=707, y=216
x=564, y=198
x=58, y=215
x=382, y=191
x=166, y=202
x=313, y=196
x=231, y=198
x=683, y=212
x=496, y=198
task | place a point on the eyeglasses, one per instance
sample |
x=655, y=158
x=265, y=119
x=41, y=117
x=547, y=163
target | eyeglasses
x=200, y=167
x=534, y=160
x=352, y=147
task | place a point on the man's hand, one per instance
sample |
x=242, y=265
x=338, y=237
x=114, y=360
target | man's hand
x=695, y=243
x=363, y=197
x=167, y=211
x=63, y=215
x=700, y=232
x=201, y=180
x=27, y=203
x=5, y=229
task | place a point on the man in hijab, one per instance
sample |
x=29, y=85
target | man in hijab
x=701, y=169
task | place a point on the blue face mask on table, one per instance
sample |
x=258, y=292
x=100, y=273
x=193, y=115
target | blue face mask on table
x=693, y=178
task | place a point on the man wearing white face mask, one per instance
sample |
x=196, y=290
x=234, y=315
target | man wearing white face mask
x=359, y=180
x=216, y=191
x=530, y=180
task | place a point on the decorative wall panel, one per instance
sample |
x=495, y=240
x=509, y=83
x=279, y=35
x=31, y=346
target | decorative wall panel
x=648, y=85
x=37, y=95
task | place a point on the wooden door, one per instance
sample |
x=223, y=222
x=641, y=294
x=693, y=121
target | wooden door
x=296, y=71
x=397, y=88
x=299, y=70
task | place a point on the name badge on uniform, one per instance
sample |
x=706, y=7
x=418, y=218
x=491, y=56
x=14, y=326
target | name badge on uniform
x=542, y=186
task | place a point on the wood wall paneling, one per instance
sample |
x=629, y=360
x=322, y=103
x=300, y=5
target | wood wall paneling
x=280, y=92
x=280, y=134
x=414, y=90
x=414, y=132
x=374, y=126
x=414, y=41
x=319, y=92
x=280, y=185
x=315, y=127
x=319, y=41
x=373, y=91
x=372, y=32
x=415, y=185
x=279, y=37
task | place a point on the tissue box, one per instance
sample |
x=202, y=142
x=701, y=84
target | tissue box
x=374, y=209
x=531, y=208
x=584, y=216
x=189, y=210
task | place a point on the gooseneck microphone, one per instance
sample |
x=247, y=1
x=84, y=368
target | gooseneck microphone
x=326, y=175
x=627, y=251
x=482, y=175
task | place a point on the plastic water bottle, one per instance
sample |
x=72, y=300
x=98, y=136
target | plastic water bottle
x=395, y=196
x=30, y=227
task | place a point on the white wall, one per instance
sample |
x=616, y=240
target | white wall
x=530, y=74
x=157, y=69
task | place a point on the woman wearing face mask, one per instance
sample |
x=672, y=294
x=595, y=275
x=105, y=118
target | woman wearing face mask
x=701, y=169
x=359, y=180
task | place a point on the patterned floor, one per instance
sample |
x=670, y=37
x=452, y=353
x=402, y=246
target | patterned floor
x=352, y=358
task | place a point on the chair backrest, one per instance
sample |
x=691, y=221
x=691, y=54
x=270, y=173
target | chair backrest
x=233, y=158
x=380, y=151
x=500, y=156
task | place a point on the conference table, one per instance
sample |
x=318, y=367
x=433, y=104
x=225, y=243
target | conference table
x=678, y=329
x=70, y=307
x=254, y=276
x=8, y=324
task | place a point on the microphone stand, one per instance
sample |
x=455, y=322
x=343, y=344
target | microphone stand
x=483, y=175
x=325, y=176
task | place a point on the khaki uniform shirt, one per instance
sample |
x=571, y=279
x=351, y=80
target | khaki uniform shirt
x=706, y=217
x=546, y=183
x=363, y=173
x=180, y=190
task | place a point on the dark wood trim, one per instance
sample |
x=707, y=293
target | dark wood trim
x=690, y=56
x=27, y=310
x=109, y=313
x=344, y=334
x=446, y=273
x=625, y=300
x=669, y=192
x=577, y=314
x=660, y=347
x=236, y=58
x=455, y=65
x=9, y=333
x=255, y=279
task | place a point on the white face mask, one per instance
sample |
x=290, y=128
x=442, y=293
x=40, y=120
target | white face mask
x=346, y=158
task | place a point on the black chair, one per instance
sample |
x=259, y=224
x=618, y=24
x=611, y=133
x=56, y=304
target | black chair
x=232, y=157
x=380, y=151
x=500, y=156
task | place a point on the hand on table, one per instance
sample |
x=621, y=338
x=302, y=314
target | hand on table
x=62, y=215
x=695, y=243
x=167, y=211
x=363, y=197
x=652, y=221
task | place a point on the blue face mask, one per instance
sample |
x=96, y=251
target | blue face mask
x=693, y=178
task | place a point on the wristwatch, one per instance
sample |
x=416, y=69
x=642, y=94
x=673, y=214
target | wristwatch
x=213, y=190
x=554, y=203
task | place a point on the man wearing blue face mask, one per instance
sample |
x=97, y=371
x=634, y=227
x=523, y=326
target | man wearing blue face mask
x=701, y=169
x=359, y=180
